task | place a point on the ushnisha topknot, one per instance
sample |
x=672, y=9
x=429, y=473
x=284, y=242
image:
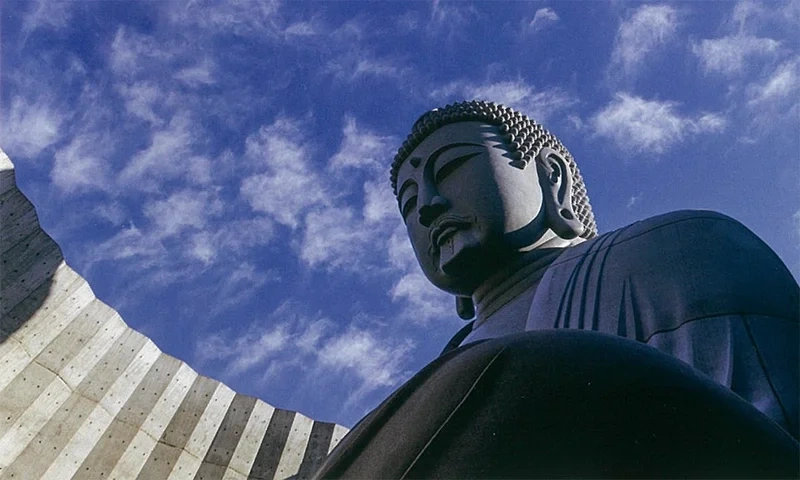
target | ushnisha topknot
x=524, y=137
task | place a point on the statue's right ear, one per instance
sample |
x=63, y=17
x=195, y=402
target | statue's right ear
x=555, y=178
x=465, y=307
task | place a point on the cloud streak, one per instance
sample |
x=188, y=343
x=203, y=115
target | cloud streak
x=83, y=164
x=286, y=185
x=729, y=55
x=29, y=127
x=638, y=125
x=639, y=36
x=543, y=18
x=539, y=104
x=355, y=355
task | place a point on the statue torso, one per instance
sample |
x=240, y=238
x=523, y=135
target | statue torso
x=695, y=284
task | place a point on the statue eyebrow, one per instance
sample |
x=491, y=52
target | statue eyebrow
x=440, y=151
x=432, y=158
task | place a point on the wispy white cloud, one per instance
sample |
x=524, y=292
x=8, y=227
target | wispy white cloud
x=351, y=55
x=361, y=148
x=47, y=14
x=333, y=233
x=166, y=156
x=83, y=164
x=143, y=99
x=400, y=253
x=379, y=203
x=539, y=104
x=287, y=185
x=650, y=126
x=132, y=52
x=111, y=212
x=355, y=355
x=750, y=16
x=373, y=360
x=246, y=351
x=639, y=36
x=409, y=21
x=354, y=65
x=198, y=75
x=543, y=18
x=130, y=243
x=729, y=55
x=341, y=237
x=423, y=302
x=790, y=12
x=235, y=237
x=420, y=302
x=772, y=101
x=28, y=127
x=450, y=19
x=198, y=170
x=302, y=29
x=245, y=17
x=335, y=237
x=745, y=10
x=783, y=83
x=185, y=209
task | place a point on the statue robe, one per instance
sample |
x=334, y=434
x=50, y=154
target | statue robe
x=697, y=285
x=559, y=394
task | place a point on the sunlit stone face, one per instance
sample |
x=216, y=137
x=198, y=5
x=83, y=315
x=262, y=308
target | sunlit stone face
x=467, y=210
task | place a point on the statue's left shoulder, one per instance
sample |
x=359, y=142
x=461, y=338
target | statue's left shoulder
x=662, y=272
x=714, y=257
x=704, y=222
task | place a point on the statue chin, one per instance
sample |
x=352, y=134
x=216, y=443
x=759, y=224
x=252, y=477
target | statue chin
x=455, y=250
x=461, y=261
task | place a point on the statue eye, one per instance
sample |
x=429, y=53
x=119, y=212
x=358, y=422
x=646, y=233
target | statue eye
x=409, y=206
x=451, y=165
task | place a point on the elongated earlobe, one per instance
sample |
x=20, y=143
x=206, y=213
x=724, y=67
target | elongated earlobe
x=555, y=179
x=465, y=307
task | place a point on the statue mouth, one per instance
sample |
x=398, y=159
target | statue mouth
x=444, y=228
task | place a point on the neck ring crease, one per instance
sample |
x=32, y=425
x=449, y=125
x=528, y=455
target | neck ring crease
x=512, y=280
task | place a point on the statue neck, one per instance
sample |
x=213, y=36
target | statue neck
x=519, y=276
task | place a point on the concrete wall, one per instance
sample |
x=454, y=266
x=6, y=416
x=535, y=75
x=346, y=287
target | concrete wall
x=84, y=396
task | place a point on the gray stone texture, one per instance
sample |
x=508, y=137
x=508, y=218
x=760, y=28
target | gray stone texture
x=84, y=396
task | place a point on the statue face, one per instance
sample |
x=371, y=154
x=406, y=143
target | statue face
x=467, y=210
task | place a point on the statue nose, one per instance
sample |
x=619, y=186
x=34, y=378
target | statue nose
x=431, y=210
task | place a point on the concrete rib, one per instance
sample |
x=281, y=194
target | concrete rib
x=84, y=396
x=227, y=438
x=295, y=447
x=269, y=453
x=132, y=461
x=43, y=449
x=253, y=434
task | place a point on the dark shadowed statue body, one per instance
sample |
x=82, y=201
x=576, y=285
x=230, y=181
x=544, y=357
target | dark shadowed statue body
x=668, y=348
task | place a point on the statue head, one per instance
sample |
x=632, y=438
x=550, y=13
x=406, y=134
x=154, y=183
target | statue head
x=478, y=185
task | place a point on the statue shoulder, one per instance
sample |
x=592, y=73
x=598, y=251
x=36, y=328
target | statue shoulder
x=704, y=232
x=712, y=256
x=713, y=223
x=663, y=272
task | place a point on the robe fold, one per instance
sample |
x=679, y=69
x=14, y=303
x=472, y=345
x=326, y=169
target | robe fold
x=548, y=400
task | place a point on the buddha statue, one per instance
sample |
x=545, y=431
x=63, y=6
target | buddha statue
x=668, y=348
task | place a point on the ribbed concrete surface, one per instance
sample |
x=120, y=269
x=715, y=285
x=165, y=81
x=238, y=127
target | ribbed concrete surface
x=84, y=396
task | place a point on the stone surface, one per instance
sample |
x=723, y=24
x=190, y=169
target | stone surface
x=668, y=348
x=84, y=396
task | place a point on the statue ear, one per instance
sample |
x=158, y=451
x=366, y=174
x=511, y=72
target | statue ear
x=465, y=307
x=555, y=179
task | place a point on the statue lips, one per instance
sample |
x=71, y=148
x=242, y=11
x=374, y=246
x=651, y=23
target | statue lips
x=445, y=227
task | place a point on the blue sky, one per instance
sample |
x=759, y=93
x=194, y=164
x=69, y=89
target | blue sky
x=219, y=171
